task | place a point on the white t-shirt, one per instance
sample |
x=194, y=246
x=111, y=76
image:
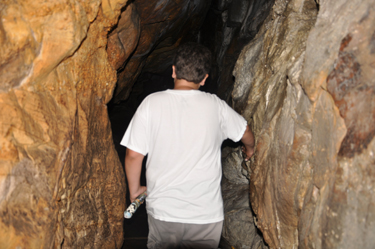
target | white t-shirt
x=182, y=132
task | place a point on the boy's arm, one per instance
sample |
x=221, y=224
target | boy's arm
x=133, y=168
x=248, y=142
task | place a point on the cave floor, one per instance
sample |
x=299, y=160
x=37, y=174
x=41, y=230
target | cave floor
x=136, y=231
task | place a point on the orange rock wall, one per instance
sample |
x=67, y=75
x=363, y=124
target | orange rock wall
x=61, y=183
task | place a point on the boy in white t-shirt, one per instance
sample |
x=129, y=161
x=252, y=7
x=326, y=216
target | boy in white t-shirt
x=181, y=131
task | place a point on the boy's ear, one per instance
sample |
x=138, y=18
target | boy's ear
x=203, y=81
x=173, y=72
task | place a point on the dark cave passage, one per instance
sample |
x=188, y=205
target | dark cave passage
x=259, y=84
x=120, y=114
x=225, y=30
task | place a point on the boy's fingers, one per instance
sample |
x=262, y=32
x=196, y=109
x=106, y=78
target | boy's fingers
x=245, y=155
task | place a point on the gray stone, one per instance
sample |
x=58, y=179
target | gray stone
x=239, y=229
x=232, y=166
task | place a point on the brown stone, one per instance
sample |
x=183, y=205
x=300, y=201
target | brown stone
x=61, y=183
x=124, y=38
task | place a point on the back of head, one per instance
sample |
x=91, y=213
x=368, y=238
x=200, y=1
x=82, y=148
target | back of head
x=192, y=62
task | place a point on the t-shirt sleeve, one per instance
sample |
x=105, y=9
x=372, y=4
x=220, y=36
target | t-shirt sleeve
x=135, y=137
x=233, y=124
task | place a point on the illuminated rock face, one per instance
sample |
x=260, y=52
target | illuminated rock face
x=61, y=183
x=306, y=85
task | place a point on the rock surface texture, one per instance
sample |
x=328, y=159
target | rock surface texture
x=228, y=27
x=239, y=230
x=61, y=182
x=305, y=81
x=306, y=85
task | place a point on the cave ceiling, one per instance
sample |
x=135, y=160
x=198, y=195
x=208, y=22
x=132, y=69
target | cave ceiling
x=148, y=33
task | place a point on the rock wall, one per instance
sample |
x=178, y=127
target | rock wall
x=306, y=85
x=61, y=183
x=148, y=39
x=228, y=27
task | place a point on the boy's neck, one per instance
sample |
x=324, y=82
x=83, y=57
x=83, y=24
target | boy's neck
x=181, y=84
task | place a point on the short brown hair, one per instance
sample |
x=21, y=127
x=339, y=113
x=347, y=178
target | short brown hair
x=192, y=62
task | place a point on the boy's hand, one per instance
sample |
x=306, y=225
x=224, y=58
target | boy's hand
x=248, y=143
x=247, y=153
x=134, y=194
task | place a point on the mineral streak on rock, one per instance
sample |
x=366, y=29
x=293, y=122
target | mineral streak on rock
x=353, y=92
x=350, y=211
x=61, y=183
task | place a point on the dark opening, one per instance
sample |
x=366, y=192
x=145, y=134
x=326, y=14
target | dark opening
x=120, y=115
x=225, y=37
